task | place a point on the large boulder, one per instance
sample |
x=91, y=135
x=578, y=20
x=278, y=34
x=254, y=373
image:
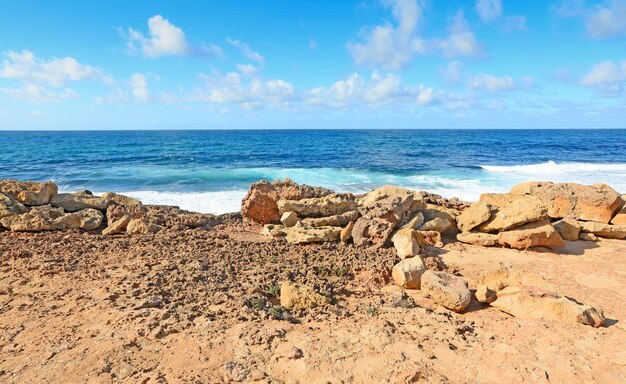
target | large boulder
x=340, y=220
x=10, y=206
x=329, y=205
x=116, y=198
x=408, y=273
x=303, y=235
x=405, y=242
x=527, y=302
x=604, y=230
x=389, y=190
x=297, y=297
x=73, y=202
x=569, y=229
x=510, y=211
x=597, y=202
x=29, y=192
x=475, y=215
x=42, y=218
x=260, y=204
x=483, y=239
x=90, y=219
x=432, y=212
x=537, y=234
x=379, y=220
x=446, y=289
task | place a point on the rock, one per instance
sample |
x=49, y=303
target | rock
x=569, y=229
x=510, y=211
x=72, y=202
x=475, y=215
x=118, y=226
x=500, y=278
x=432, y=212
x=437, y=224
x=116, y=212
x=485, y=295
x=597, y=202
x=297, y=297
x=29, y=192
x=346, y=232
x=142, y=226
x=527, y=302
x=415, y=222
x=446, y=289
x=303, y=235
x=333, y=204
x=537, y=234
x=405, y=243
x=387, y=191
x=620, y=217
x=587, y=237
x=408, y=273
x=604, y=230
x=273, y=230
x=260, y=204
x=289, y=219
x=116, y=198
x=379, y=220
x=10, y=206
x=483, y=239
x=431, y=238
x=41, y=218
x=90, y=219
x=169, y=216
x=340, y=220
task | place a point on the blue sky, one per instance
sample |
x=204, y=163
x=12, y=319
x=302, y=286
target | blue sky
x=317, y=64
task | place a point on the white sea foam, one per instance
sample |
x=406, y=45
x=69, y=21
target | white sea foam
x=206, y=202
x=552, y=167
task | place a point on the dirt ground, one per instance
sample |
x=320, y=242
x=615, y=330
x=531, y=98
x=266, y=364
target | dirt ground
x=200, y=306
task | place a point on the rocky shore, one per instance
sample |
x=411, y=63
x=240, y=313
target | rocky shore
x=309, y=285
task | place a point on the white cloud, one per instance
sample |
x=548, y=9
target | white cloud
x=453, y=72
x=607, y=20
x=605, y=73
x=139, y=87
x=247, y=69
x=27, y=67
x=38, y=94
x=568, y=8
x=489, y=10
x=165, y=39
x=491, y=83
x=460, y=41
x=247, y=51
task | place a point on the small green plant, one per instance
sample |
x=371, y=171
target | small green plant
x=273, y=290
x=277, y=312
x=339, y=271
x=371, y=310
x=256, y=303
x=274, y=259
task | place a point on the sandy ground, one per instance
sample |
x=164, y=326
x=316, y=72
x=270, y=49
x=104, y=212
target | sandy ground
x=192, y=306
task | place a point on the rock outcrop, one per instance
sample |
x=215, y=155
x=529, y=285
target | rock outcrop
x=72, y=202
x=536, y=234
x=604, y=230
x=511, y=211
x=29, y=192
x=380, y=218
x=10, y=206
x=329, y=205
x=446, y=289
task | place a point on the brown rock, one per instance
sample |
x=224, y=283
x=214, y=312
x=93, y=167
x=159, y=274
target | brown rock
x=475, y=215
x=485, y=295
x=432, y=212
x=604, y=230
x=446, y=289
x=260, y=204
x=346, y=232
x=116, y=212
x=569, y=229
x=289, y=219
x=537, y=234
x=483, y=239
x=437, y=224
x=408, y=273
x=329, y=205
x=415, y=221
x=587, y=237
x=41, y=218
x=169, y=216
x=304, y=235
x=116, y=198
x=340, y=220
x=297, y=297
x=118, y=226
x=10, y=206
x=29, y=192
x=387, y=191
x=597, y=202
x=142, y=226
x=273, y=230
x=72, y=202
x=90, y=219
x=405, y=243
x=379, y=220
x=500, y=278
x=431, y=238
x=510, y=211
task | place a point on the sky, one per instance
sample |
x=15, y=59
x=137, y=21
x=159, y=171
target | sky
x=312, y=64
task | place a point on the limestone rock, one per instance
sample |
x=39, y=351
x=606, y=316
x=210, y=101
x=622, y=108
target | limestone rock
x=273, y=230
x=169, y=216
x=475, y=215
x=289, y=219
x=483, y=239
x=297, y=297
x=510, y=211
x=587, y=237
x=569, y=229
x=620, y=217
x=116, y=198
x=303, y=235
x=405, y=243
x=260, y=203
x=72, y=202
x=437, y=224
x=527, y=302
x=597, y=202
x=90, y=219
x=142, y=226
x=408, y=273
x=446, y=289
x=118, y=226
x=387, y=191
x=116, y=212
x=10, y=206
x=604, y=230
x=537, y=234
x=340, y=220
x=431, y=238
x=432, y=212
x=380, y=219
x=29, y=192
x=415, y=221
x=485, y=295
x=333, y=204
x=500, y=278
x=41, y=218
x=346, y=232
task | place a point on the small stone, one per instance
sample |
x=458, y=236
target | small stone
x=485, y=295
x=568, y=228
x=346, y=233
x=408, y=273
x=447, y=290
x=405, y=243
x=289, y=218
x=587, y=236
x=437, y=224
x=295, y=297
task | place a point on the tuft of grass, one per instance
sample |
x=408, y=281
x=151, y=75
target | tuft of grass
x=274, y=259
x=371, y=310
x=273, y=290
x=278, y=312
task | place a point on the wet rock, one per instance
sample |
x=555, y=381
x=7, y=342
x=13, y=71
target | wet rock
x=289, y=219
x=569, y=229
x=408, y=273
x=73, y=202
x=604, y=230
x=405, y=242
x=510, y=211
x=340, y=220
x=29, y=192
x=116, y=198
x=446, y=289
x=475, y=215
x=304, y=235
x=483, y=239
x=537, y=234
x=379, y=220
x=10, y=206
x=329, y=205
x=296, y=297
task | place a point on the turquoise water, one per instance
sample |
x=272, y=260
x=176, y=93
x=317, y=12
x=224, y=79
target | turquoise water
x=209, y=171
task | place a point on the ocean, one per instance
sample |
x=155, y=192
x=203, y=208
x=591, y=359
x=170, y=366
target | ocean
x=210, y=171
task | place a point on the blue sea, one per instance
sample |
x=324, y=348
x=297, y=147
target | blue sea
x=209, y=171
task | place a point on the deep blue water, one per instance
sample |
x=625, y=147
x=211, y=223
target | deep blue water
x=209, y=170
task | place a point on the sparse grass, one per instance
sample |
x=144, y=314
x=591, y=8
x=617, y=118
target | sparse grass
x=277, y=312
x=331, y=270
x=372, y=311
x=256, y=303
x=273, y=290
x=274, y=259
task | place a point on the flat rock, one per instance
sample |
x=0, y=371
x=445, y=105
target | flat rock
x=408, y=272
x=604, y=230
x=511, y=210
x=446, y=289
x=297, y=297
x=438, y=224
x=303, y=235
x=119, y=199
x=329, y=205
x=537, y=234
x=29, y=192
x=569, y=229
x=587, y=237
x=73, y=202
x=478, y=238
x=477, y=213
x=118, y=226
x=340, y=220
